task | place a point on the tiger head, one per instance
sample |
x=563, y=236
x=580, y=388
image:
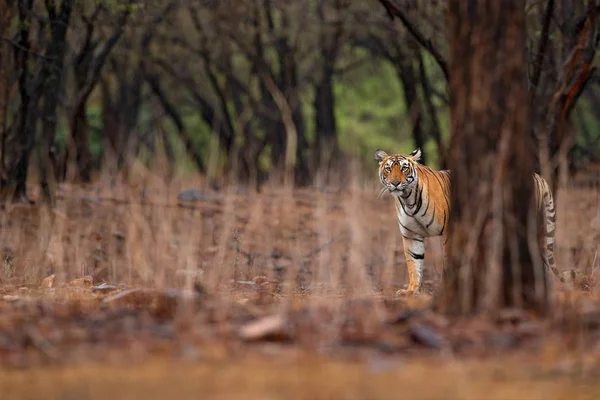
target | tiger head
x=398, y=171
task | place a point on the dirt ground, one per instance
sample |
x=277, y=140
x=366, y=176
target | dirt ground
x=147, y=291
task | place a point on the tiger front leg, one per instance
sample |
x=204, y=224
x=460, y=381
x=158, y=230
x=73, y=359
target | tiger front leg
x=414, y=252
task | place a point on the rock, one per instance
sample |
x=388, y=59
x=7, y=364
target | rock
x=426, y=336
x=191, y=195
x=104, y=288
x=272, y=327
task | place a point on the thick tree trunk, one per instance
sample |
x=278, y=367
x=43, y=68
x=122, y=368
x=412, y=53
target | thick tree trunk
x=80, y=143
x=19, y=161
x=302, y=172
x=5, y=19
x=51, y=89
x=325, y=122
x=490, y=264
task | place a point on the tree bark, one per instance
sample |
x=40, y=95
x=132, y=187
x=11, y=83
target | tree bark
x=51, y=87
x=5, y=19
x=28, y=93
x=490, y=263
x=325, y=121
x=87, y=68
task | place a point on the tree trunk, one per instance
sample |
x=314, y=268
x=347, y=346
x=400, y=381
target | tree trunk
x=5, y=19
x=325, y=122
x=406, y=74
x=173, y=113
x=80, y=146
x=490, y=264
x=434, y=128
x=51, y=87
x=19, y=162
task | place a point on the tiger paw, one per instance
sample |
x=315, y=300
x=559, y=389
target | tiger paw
x=406, y=292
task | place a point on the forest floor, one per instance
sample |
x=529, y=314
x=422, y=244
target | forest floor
x=132, y=292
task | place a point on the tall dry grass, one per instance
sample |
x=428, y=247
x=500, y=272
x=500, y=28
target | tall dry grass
x=323, y=242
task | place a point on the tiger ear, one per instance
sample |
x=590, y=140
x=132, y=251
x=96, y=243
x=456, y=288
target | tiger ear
x=416, y=154
x=380, y=155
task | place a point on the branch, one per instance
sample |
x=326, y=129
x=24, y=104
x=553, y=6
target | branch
x=352, y=65
x=576, y=73
x=542, y=48
x=213, y=79
x=14, y=43
x=171, y=110
x=394, y=11
x=210, y=114
x=101, y=59
x=259, y=108
x=577, y=68
x=580, y=24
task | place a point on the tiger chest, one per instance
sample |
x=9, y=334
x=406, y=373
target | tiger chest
x=417, y=225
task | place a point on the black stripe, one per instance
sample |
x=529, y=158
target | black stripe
x=443, y=224
x=432, y=218
x=428, y=197
x=414, y=202
x=415, y=256
x=418, y=240
x=419, y=201
x=439, y=181
x=408, y=229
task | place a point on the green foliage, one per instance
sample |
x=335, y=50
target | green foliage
x=96, y=125
x=370, y=111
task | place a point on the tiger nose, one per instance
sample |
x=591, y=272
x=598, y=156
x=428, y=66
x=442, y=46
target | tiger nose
x=395, y=182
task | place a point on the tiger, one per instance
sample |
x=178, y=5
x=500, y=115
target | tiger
x=422, y=199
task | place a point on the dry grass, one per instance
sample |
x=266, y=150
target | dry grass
x=323, y=265
x=338, y=240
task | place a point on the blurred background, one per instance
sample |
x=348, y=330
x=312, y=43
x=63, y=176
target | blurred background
x=241, y=90
x=166, y=135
